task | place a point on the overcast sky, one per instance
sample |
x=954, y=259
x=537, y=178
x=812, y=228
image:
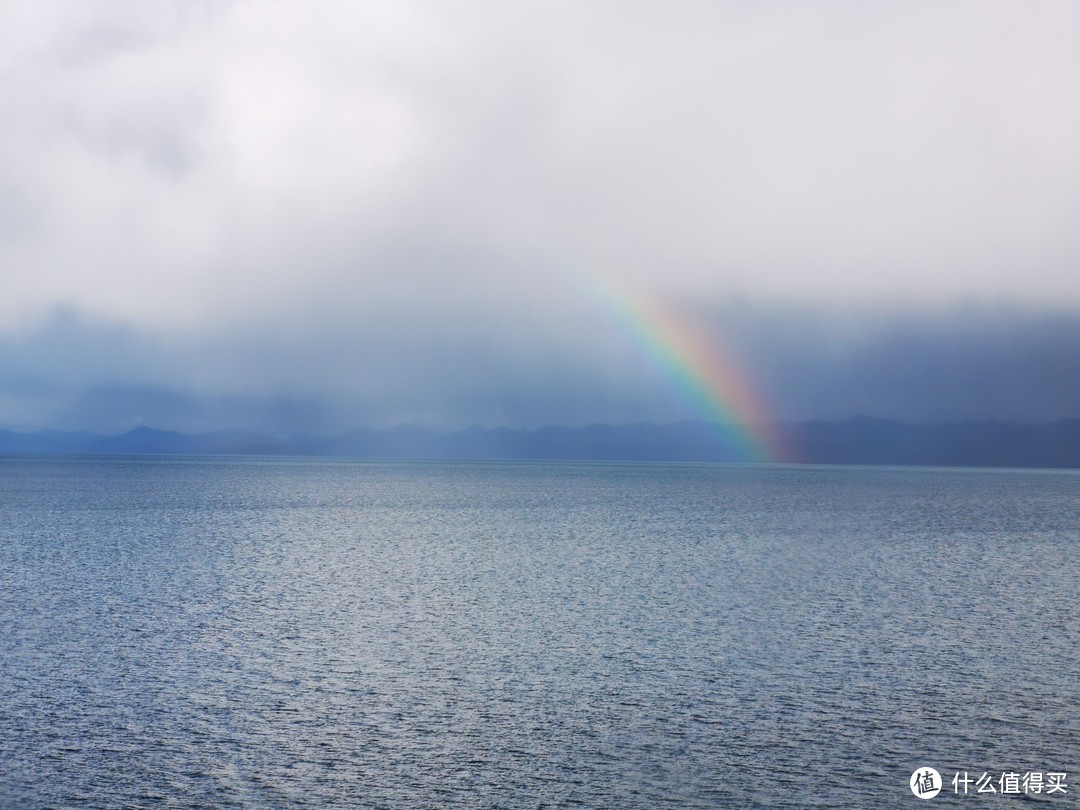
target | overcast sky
x=317, y=216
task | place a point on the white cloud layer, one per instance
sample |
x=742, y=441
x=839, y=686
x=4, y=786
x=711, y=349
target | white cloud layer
x=170, y=162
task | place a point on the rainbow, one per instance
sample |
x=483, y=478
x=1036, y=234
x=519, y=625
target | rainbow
x=701, y=372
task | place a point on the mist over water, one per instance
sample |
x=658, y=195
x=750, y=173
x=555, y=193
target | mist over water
x=284, y=633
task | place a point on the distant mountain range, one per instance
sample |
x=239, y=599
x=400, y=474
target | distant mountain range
x=859, y=440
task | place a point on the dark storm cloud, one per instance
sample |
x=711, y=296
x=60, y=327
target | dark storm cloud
x=931, y=365
x=951, y=364
x=473, y=362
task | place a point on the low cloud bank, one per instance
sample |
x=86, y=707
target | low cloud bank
x=957, y=364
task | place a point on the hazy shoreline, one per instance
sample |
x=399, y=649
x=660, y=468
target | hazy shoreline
x=859, y=440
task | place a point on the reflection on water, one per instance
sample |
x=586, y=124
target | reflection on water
x=287, y=633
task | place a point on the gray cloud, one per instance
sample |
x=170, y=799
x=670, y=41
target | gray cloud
x=951, y=365
x=278, y=215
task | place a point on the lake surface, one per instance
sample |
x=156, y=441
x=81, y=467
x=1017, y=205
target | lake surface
x=312, y=633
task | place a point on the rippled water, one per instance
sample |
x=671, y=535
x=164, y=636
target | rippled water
x=300, y=633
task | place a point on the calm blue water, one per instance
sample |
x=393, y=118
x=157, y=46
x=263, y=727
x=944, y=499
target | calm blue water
x=301, y=633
